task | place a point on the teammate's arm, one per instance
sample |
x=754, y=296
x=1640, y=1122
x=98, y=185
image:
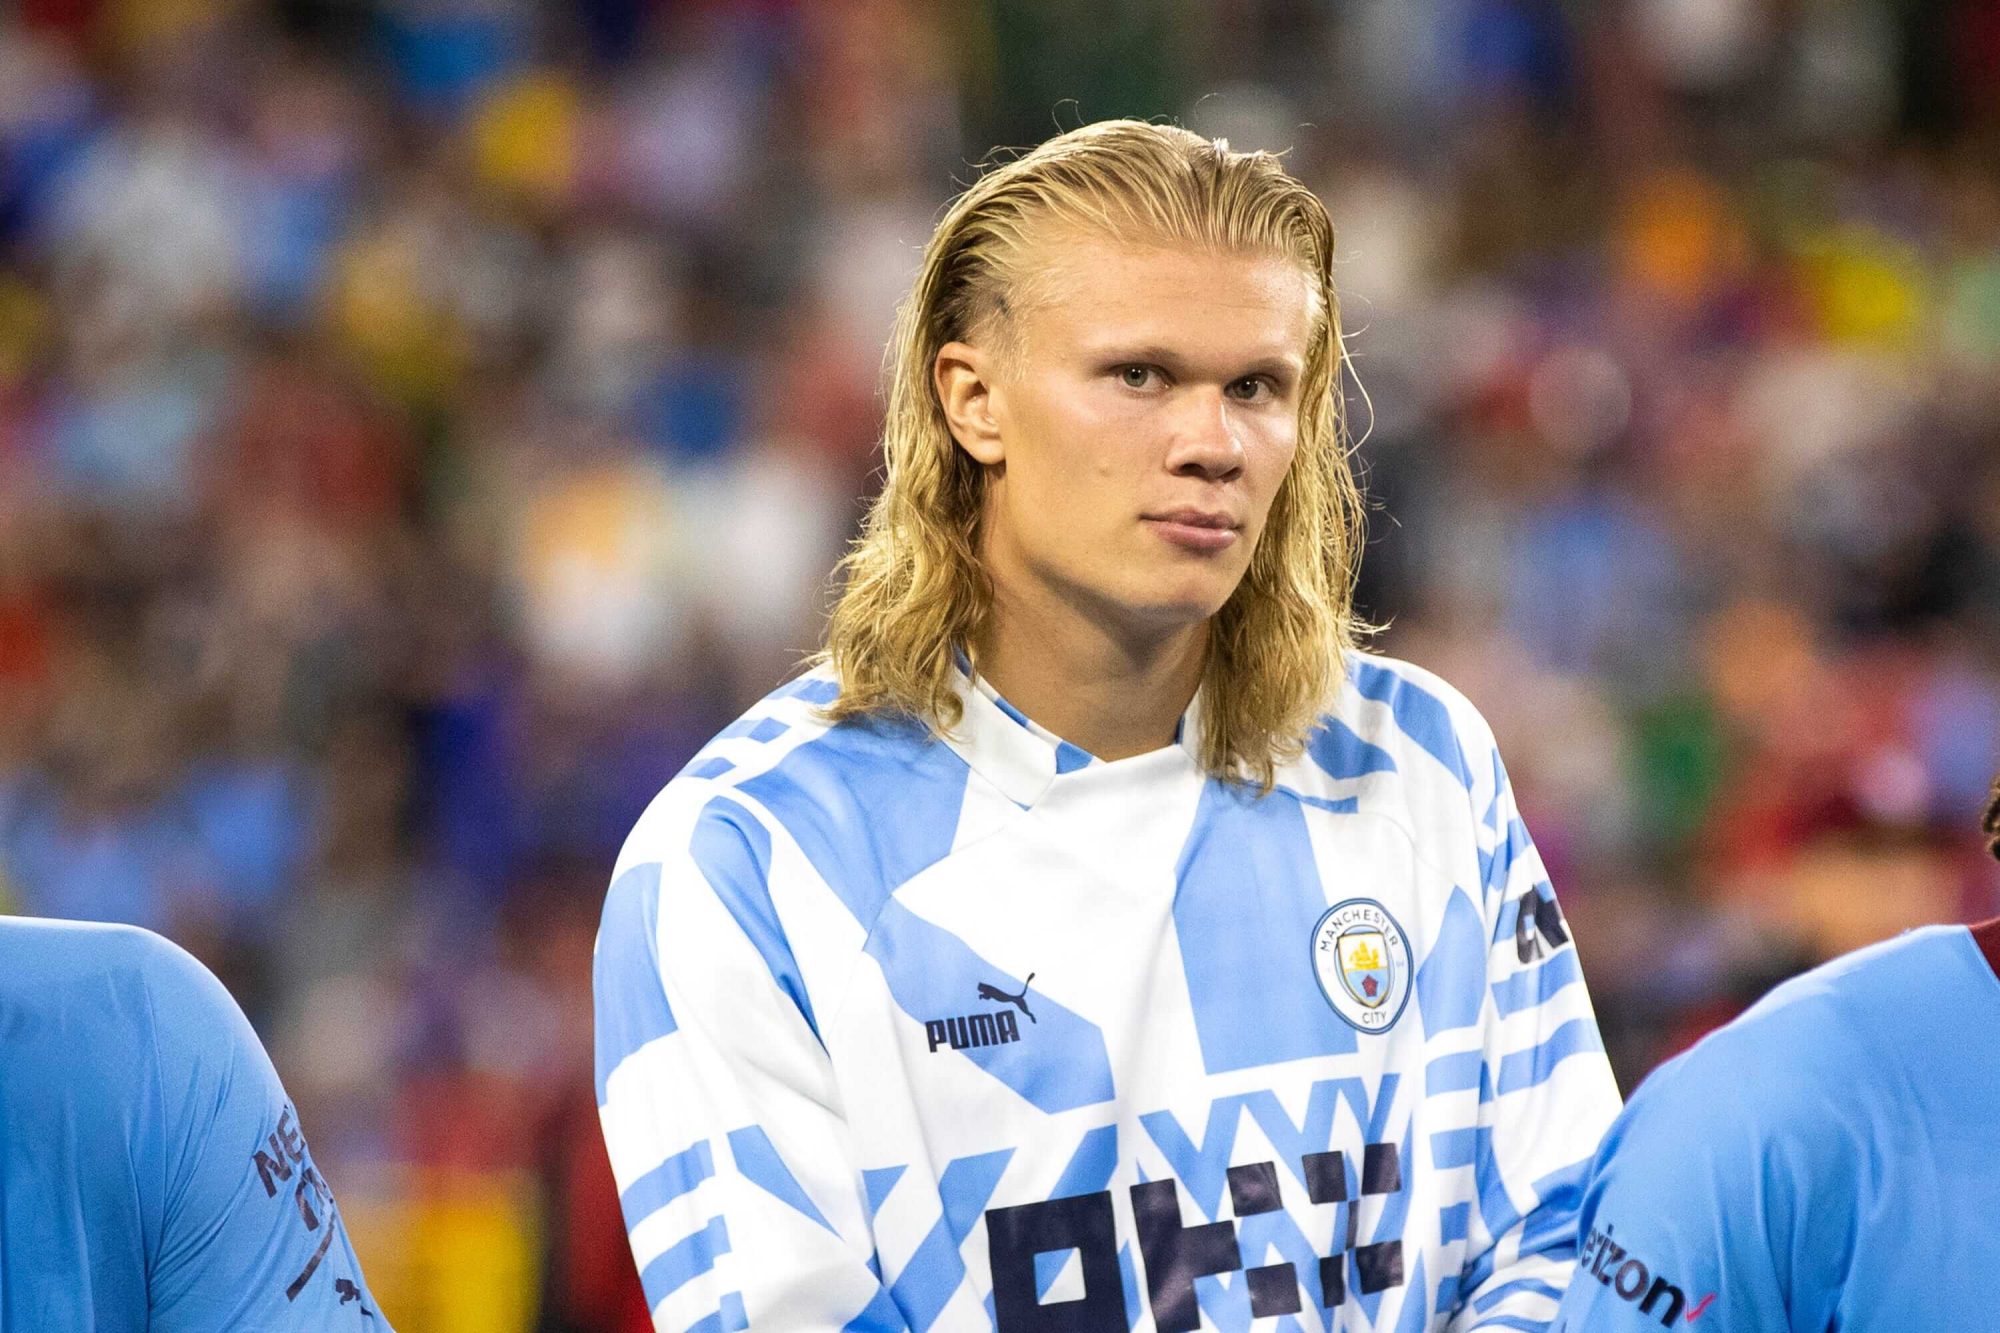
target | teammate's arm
x=741, y=1196
x=1723, y=1198
x=1547, y=1092
x=1676, y=1222
x=249, y=1236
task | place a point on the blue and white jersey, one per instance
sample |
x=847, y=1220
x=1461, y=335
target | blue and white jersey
x=153, y=1176
x=1831, y=1160
x=979, y=1033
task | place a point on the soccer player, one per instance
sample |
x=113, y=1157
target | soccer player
x=1830, y=1160
x=1096, y=939
x=153, y=1178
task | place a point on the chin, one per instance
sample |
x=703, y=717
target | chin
x=1189, y=603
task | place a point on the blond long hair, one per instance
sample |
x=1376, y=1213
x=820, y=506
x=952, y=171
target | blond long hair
x=914, y=588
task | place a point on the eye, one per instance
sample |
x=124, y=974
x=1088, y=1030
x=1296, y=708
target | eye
x=1136, y=376
x=1254, y=388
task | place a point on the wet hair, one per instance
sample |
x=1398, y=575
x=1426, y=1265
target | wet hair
x=914, y=590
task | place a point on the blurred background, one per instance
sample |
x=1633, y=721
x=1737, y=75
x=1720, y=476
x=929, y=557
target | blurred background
x=423, y=422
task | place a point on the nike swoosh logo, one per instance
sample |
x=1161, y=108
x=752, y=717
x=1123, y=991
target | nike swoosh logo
x=1695, y=1313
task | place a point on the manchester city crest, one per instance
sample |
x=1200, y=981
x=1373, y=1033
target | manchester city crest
x=1362, y=959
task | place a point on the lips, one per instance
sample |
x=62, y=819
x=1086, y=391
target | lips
x=1194, y=529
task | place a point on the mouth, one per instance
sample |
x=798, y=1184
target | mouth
x=1196, y=529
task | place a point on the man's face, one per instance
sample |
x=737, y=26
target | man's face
x=1138, y=429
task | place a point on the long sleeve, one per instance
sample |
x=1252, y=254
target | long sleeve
x=733, y=1161
x=1547, y=1094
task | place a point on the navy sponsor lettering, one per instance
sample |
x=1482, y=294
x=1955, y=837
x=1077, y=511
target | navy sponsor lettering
x=970, y=1031
x=1080, y=1222
x=1539, y=921
x=1631, y=1278
x=1175, y=1254
x=282, y=1161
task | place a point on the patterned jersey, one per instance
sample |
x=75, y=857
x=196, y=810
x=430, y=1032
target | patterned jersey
x=897, y=1032
x=153, y=1177
x=1828, y=1161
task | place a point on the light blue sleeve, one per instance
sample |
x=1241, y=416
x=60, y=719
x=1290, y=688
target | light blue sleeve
x=249, y=1234
x=1717, y=1201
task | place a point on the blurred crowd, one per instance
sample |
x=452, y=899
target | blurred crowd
x=424, y=422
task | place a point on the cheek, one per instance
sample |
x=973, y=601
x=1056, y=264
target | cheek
x=1270, y=457
x=1083, y=439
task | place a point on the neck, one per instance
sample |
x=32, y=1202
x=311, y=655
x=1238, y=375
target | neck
x=1115, y=695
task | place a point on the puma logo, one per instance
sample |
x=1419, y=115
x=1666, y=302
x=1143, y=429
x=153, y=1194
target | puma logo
x=349, y=1292
x=973, y=1031
x=988, y=991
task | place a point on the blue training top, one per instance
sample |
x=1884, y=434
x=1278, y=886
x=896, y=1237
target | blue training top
x=152, y=1173
x=1829, y=1160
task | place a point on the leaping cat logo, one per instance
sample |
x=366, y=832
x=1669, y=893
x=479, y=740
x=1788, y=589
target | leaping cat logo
x=349, y=1292
x=991, y=992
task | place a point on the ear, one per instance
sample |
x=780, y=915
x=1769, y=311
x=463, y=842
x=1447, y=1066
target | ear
x=962, y=374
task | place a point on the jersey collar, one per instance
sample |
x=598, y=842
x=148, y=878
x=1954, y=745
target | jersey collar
x=1018, y=755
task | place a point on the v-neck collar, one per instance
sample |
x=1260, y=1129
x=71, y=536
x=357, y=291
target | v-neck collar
x=1019, y=755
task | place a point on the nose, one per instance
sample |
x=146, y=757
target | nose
x=1206, y=443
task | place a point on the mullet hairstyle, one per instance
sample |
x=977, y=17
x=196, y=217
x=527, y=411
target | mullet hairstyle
x=914, y=589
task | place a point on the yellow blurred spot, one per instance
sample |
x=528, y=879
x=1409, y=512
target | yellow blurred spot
x=1865, y=287
x=448, y=1251
x=524, y=137
x=23, y=325
x=380, y=308
x=606, y=519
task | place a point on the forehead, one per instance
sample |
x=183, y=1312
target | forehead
x=1085, y=291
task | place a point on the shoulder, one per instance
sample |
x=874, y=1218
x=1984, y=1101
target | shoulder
x=52, y=959
x=1399, y=740
x=868, y=801
x=200, y=1034
x=1791, y=1088
x=1415, y=707
x=1734, y=1165
x=139, y=1010
x=752, y=746
x=1821, y=1057
x=1392, y=716
x=75, y=988
x=1848, y=997
x=1813, y=1039
x=47, y=947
